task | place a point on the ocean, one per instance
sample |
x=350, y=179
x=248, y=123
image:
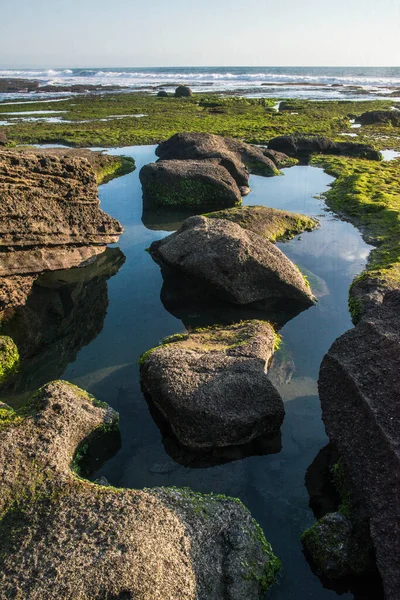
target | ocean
x=314, y=83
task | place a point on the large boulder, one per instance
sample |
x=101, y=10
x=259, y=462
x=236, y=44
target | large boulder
x=236, y=265
x=183, y=91
x=64, y=537
x=162, y=94
x=188, y=183
x=299, y=145
x=211, y=385
x=359, y=389
x=236, y=156
x=380, y=117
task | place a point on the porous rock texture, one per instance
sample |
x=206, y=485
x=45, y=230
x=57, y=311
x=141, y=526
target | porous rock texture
x=236, y=156
x=49, y=215
x=270, y=223
x=188, y=183
x=211, y=385
x=300, y=145
x=236, y=265
x=359, y=389
x=384, y=117
x=64, y=537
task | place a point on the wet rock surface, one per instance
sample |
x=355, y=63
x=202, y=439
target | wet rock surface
x=62, y=536
x=358, y=385
x=211, y=385
x=188, y=183
x=237, y=266
x=301, y=146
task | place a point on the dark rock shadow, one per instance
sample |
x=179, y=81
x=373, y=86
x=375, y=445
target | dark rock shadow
x=64, y=312
x=324, y=498
x=209, y=458
x=187, y=300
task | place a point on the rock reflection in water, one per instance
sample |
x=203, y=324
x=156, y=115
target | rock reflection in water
x=217, y=456
x=187, y=300
x=64, y=312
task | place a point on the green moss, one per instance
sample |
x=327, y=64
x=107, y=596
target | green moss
x=119, y=166
x=9, y=358
x=249, y=119
x=341, y=482
x=8, y=417
x=184, y=192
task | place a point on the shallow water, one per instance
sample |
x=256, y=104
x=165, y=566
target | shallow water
x=272, y=486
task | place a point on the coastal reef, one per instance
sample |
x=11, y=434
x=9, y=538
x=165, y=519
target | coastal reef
x=211, y=384
x=62, y=536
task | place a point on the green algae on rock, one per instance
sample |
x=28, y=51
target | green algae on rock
x=9, y=358
x=271, y=223
x=150, y=544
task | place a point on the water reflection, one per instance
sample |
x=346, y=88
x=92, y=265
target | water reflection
x=64, y=312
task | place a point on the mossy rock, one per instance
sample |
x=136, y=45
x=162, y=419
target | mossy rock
x=270, y=223
x=9, y=358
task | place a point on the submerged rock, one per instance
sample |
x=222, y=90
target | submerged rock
x=183, y=91
x=211, y=385
x=359, y=390
x=384, y=117
x=299, y=145
x=235, y=265
x=236, y=156
x=9, y=357
x=270, y=223
x=64, y=537
x=188, y=183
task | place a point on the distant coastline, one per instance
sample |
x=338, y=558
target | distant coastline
x=313, y=83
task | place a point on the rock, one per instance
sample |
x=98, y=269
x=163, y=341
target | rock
x=358, y=387
x=211, y=385
x=183, y=91
x=3, y=138
x=380, y=117
x=162, y=94
x=335, y=548
x=9, y=357
x=280, y=159
x=116, y=543
x=235, y=265
x=233, y=154
x=299, y=145
x=188, y=183
x=270, y=223
x=49, y=215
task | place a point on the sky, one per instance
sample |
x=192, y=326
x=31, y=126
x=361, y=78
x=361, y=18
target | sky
x=129, y=33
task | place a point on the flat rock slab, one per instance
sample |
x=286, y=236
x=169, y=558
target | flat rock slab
x=359, y=389
x=64, y=537
x=211, y=385
x=188, y=183
x=237, y=266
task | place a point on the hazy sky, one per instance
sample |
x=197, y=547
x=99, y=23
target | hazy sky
x=129, y=33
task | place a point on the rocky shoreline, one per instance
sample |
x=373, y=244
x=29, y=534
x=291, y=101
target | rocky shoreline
x=51, y=220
